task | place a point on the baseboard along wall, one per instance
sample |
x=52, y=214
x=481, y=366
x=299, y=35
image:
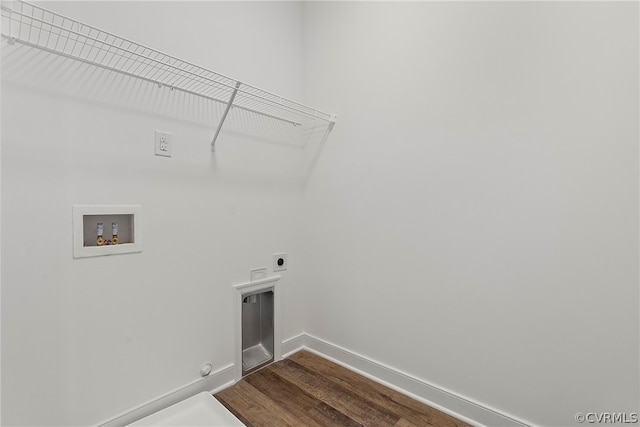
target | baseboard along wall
x=214, y=382
x=439, y=398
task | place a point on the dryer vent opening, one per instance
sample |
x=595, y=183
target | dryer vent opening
x=257, y=330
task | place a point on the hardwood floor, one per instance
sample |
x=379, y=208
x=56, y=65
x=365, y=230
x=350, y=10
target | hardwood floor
x=307, y=390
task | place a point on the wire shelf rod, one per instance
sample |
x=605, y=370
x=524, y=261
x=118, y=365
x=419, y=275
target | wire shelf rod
x=295, y=123
x=297, y=107
x=73, y=21
x=52, y=32
x=121, y=55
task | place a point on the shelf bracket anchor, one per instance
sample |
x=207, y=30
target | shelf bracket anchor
x=224, y=116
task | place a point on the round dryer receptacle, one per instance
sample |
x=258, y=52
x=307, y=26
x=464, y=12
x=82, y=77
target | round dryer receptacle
x=280, y=261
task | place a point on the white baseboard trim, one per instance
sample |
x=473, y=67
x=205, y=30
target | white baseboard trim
x=212, y=383
x=444, y=400
x=294, y=344
x=460, y=407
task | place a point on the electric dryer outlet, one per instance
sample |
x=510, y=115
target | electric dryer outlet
x=280, y=261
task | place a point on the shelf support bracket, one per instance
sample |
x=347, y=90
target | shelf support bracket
x=224, y=116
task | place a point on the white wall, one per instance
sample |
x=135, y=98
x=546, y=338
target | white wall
x=85, y=339
x=473, y=221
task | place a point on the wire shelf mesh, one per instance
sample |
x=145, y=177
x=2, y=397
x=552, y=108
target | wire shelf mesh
x=35, y=26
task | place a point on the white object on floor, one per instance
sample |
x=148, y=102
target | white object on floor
x=200, y=410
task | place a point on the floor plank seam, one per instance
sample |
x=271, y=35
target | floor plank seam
x=308, y=390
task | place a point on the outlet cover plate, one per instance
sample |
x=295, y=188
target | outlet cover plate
x=280, y=261
x=258, y=274
x=163, y=143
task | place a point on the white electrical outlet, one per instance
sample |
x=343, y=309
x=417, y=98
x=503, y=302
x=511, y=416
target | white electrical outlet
x=163, y=143
x=280, y=261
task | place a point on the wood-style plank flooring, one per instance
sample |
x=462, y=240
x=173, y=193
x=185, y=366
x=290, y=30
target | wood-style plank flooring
x=307, y=390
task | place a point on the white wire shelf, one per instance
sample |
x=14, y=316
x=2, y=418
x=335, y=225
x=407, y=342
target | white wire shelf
x=34, y=26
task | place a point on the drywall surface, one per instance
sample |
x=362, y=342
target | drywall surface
x=85, y=339
x=473, y=220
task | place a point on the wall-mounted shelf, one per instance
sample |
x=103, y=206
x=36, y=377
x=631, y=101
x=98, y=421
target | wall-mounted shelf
x=35, y=26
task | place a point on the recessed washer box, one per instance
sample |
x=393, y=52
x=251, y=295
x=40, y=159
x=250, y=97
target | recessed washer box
x=86, y=220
